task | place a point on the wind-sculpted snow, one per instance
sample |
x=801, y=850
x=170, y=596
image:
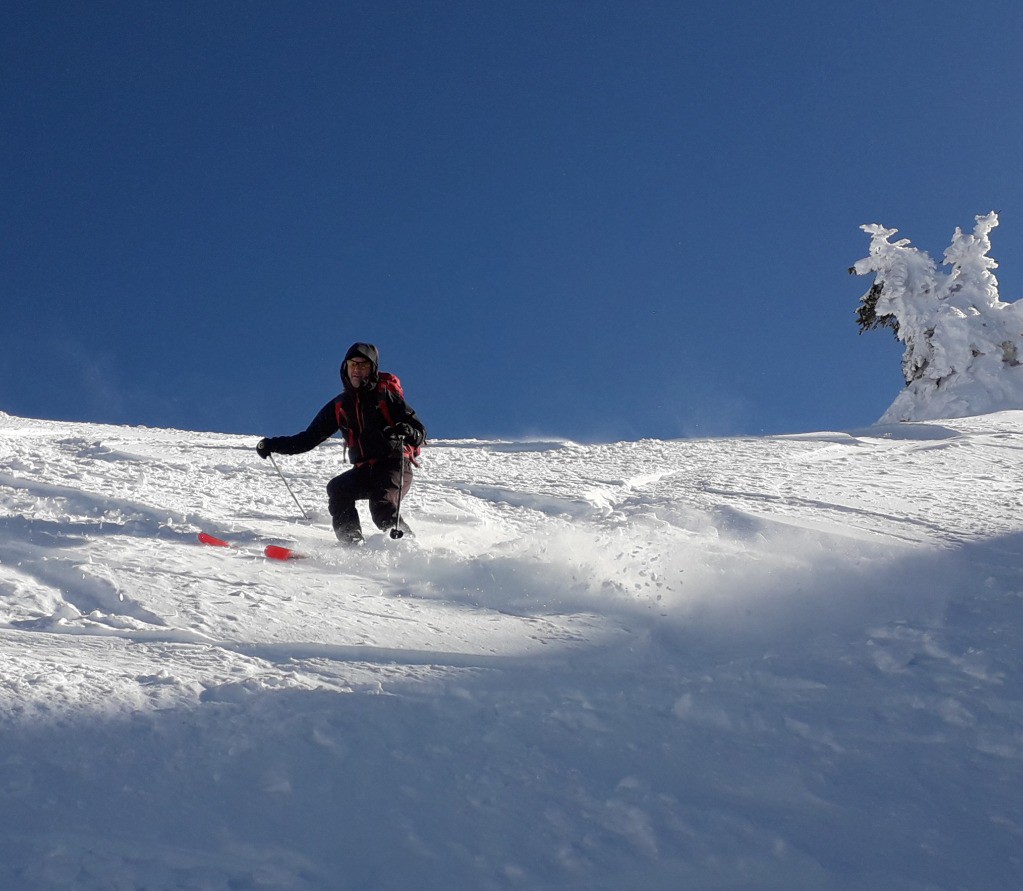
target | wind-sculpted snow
x=962, y=341
x=779, y=662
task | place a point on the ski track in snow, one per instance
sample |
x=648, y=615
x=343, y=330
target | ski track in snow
x=772, y=662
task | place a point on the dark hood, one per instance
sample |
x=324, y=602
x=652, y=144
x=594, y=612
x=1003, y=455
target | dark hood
x=367, y=351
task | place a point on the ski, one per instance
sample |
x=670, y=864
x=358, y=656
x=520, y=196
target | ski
x=273, y=552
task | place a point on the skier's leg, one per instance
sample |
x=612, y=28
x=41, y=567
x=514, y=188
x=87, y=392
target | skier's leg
x=342, y=492
x=383, y=495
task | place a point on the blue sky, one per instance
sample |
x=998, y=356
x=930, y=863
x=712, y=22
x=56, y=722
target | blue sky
x=597, y=220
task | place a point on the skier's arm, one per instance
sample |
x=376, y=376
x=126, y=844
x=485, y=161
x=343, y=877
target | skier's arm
x=402, y=413
x=323, y=426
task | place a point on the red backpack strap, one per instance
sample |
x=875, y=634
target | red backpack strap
x=390, y=382
x=342, y=422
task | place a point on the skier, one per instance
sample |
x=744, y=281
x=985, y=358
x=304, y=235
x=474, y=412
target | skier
x=383, y=436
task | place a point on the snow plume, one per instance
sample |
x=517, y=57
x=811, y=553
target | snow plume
x=962, y=342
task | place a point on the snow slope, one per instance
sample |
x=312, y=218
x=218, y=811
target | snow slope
x=782, y=662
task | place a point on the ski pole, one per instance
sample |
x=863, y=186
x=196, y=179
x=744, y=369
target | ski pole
x=396, y=531
x=285, y=481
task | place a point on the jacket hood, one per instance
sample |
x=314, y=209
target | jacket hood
x=367, y=351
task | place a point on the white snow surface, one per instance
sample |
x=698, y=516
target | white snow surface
x=784, y=662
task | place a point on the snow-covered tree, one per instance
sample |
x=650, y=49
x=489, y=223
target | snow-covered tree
x=962, y=342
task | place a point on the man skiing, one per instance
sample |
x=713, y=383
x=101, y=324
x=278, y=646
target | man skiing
x=383, y=436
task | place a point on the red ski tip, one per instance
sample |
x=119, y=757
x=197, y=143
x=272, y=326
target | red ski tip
x=276, y=552
x=208, y=539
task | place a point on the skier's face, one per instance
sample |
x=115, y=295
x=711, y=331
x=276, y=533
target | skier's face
x=359, y=371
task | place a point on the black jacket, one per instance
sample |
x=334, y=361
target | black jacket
x=361, y=415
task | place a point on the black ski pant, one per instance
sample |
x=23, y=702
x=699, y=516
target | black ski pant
x=377, y=483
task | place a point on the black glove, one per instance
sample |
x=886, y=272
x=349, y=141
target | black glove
x=403, y=430
x=263, y=448
x=398, y=435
